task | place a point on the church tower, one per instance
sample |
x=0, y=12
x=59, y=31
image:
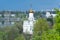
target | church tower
x=31, y=15
x=29, y=24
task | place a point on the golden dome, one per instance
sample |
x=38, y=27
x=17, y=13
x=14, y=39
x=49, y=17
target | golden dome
x=31, y=11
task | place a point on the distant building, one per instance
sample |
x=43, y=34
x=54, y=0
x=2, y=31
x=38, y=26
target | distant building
x=8, y=18
x=49, y=14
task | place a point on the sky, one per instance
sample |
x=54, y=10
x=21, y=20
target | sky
x=23, y=5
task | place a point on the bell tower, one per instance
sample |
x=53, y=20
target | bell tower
x=31, y=14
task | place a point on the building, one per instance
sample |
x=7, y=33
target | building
x=49, y=14
x=28, y=24
x=8, y=18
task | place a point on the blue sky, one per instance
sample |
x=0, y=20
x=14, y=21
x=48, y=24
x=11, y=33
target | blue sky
x=25, y=4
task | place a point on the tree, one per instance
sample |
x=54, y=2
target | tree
x=20, y=37
x=11, y=32
x=19, y=26
x=57, y=21
x=40, y=26
x=51, y=34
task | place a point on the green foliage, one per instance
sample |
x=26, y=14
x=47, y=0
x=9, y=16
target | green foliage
x=27, y=36
x=1, y=35
x=57, y=21
x=19, y=26
x=57, y=11
x=20, y=37
x=40, y=26
x=42, y=31
x=50, y=35
x=11, y=32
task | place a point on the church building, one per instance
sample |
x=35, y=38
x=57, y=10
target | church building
x=29, y=24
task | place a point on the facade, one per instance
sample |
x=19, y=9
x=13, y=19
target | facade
x=49, y=14
x=28, y=24
x=8, y=19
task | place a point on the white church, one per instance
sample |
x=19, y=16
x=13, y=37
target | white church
x=28, y=24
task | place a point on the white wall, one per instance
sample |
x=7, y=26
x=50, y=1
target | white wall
x=27, y=27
